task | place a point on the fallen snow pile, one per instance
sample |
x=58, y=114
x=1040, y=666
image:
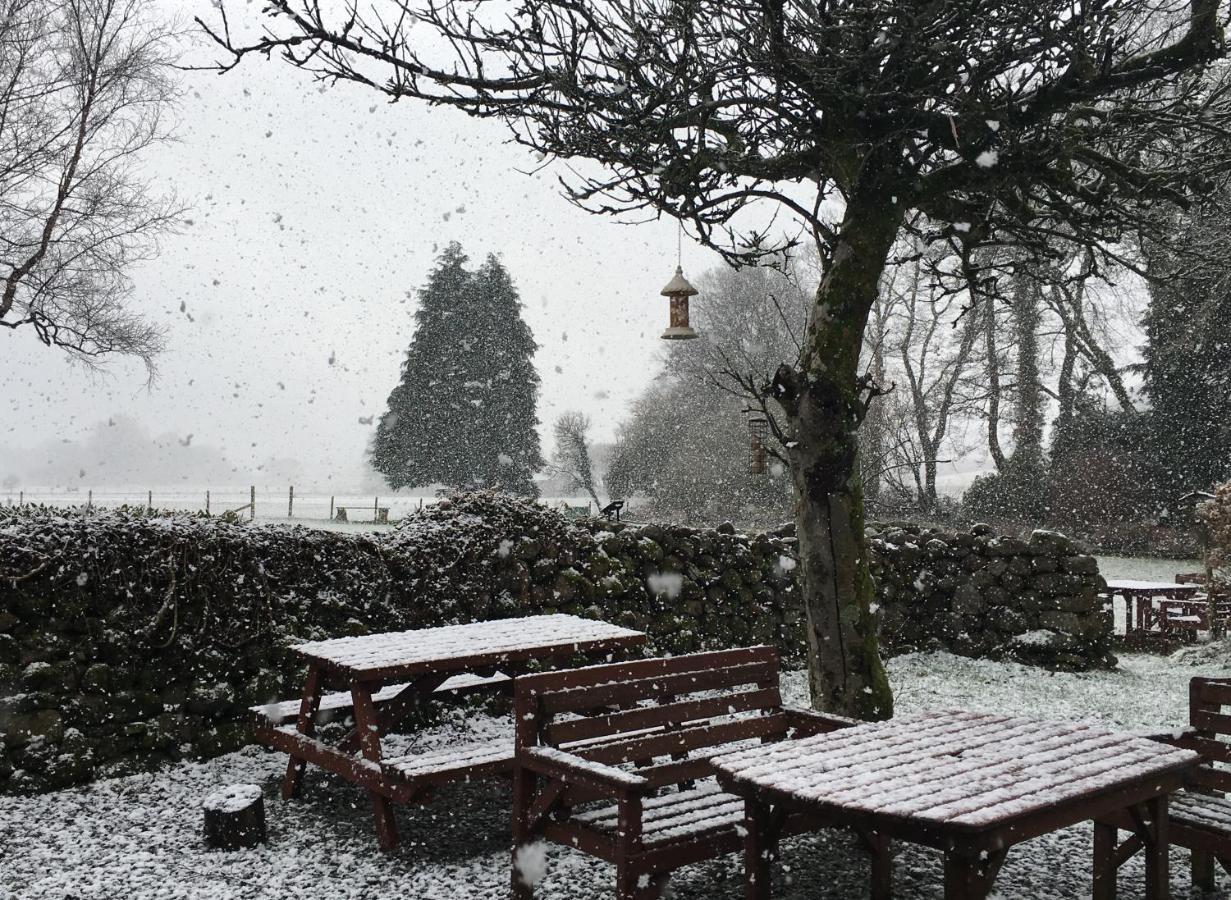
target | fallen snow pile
x=139, y=836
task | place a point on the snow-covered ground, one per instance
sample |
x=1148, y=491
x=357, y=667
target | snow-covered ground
x=139, y=837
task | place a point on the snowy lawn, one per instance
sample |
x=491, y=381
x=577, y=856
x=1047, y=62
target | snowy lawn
x=139, y=837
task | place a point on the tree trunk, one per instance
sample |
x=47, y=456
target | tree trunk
x=1028, y=416
x=993, y=386
x=824, y=407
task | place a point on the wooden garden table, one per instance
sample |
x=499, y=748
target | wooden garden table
x=1141, y=599
x=383, y=677
x=969, y=784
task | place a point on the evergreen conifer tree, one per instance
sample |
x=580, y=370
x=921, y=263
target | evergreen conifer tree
x=1188, y=357
x=464, y=411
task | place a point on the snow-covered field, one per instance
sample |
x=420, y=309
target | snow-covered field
x=139, y=837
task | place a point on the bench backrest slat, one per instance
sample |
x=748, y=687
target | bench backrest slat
x=586, y=699
x=660, y=714
x=1206, y=699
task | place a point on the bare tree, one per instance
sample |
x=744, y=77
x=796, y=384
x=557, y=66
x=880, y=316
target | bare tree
x=571, y=460
x=934, y=346
x=1010, y=123
x=84, y=88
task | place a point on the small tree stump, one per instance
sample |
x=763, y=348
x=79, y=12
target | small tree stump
x=234, y=817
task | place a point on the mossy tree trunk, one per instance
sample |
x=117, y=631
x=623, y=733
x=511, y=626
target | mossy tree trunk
x=825, y=400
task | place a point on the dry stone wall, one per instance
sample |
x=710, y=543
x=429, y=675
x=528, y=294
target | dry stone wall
x=130, y=640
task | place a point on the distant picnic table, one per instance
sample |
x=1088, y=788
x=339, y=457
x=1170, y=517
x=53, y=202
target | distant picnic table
x=970, y=784
x=381, y=678
x=1160, y=608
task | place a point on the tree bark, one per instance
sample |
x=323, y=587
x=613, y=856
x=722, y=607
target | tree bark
x=824, y=406
x=993, y=386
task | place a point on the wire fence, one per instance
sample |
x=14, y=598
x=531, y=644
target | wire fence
x=252, y=502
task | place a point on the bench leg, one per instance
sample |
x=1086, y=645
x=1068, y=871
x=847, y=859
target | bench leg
x=368, y=726
x=292, y=782
x=632, y=885
x=523, y=797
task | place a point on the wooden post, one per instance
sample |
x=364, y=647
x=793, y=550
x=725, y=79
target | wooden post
x=375, y=508
x=290, y=503
x=21, y=498
x=149, y=502
x=207, y=503
x=252, y=502
x=331, y=509
x=89, y=499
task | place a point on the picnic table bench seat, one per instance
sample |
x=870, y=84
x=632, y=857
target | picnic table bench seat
x=340, y=702
x=617, y=760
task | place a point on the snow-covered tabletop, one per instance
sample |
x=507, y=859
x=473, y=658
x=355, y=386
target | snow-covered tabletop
x=453, y=647
x=1152, y=587
x=966, y=771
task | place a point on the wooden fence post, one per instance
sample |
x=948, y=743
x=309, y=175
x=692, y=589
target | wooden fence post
x=331, y=509
x=375, y=508
x=252, y=503
x=207, y=503
x=290, y=503
x=89, y=499
x=21, y=498
x=149, y=502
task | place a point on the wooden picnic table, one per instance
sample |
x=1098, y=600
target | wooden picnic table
x=382, y=678
x=1159, y=607
x=969, y=784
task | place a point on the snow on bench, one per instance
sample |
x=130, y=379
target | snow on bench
x=499, y=639
x=675, y=816
x=288, y=710
x=450, y=763
x=1201, y=811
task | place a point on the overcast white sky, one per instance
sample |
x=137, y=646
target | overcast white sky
x=315, y=213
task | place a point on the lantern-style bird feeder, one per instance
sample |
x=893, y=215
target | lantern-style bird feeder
x=678, y=290
x=758, y=452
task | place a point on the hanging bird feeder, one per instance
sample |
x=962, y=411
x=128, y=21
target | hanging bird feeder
x=758, y=452
x=678, y=290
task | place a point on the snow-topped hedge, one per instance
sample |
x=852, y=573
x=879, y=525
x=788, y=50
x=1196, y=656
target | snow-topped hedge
x=128, y=639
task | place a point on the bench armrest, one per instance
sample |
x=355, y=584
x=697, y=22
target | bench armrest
x=1175, y=735
x=573, y=769
x=807, y=722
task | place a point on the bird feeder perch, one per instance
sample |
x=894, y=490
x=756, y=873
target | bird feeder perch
x=678, y=290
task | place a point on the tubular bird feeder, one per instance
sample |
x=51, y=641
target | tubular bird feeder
x=678, y=290
x=758, y=452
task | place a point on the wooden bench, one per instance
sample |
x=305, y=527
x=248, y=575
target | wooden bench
x=1200, y=814
x=614, y=760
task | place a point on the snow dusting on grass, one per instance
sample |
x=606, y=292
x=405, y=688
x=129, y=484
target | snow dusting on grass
x=140, y=837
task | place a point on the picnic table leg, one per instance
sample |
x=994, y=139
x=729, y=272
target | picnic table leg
x=292, y=782
x=1158, y=846
x=881, y=856
x=970, y=876
x=761, y=827
x=1105, y=868
x=368, y=726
